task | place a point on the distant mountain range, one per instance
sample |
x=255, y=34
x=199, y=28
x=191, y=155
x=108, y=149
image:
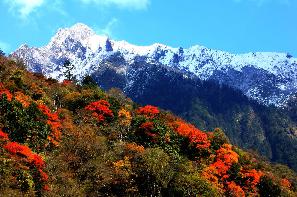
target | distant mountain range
x=269, y=78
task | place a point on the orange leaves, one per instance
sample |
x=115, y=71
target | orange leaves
x=43, y=108
x=220, y=173
x=133, y=147
x=196, y=137
x=124, y=117
x=227, y=155
x=54, y=123
x=286, y=183
x=252, y=177
x=25, y=154
x=220, y=169
x=148, y=111
x=3, y=136
x=23, y=99
x=37, y=161
x=101, y=105
x=147, y=126
x=14, y=148
x=17, y=149
x=100, y=109
x=66, y=82
x=234, y=190
x=6, y=92
x=217, y=172
x=123, y=167
x=46, y=188
x=43, y=175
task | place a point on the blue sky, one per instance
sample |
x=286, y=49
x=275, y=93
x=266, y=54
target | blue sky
x=236, y=26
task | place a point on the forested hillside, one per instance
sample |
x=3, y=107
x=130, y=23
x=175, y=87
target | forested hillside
x=77, y=140
x=269, y=130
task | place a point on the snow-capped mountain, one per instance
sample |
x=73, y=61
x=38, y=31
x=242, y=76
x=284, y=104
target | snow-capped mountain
x=267, y=77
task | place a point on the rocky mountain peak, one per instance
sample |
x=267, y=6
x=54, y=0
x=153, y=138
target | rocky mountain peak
x=267, y=77
x=77, y=33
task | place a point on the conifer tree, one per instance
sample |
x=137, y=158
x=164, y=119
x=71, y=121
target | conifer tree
x=88, y=81
x=2, y=53
x=68, y=70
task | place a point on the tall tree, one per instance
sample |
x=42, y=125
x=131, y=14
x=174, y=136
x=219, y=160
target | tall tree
x=2, y=53
x=68, y=70
x=88, y=81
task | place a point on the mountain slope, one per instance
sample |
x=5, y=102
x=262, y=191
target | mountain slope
x=63, y=139
x=270, y=78
x=156, y=75
x=268, y=130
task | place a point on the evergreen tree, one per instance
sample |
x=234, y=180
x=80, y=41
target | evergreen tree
x=88, y=81
x=2, y=53
x=68, y=70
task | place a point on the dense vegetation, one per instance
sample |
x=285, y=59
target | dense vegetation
x=76, y=140
x=270, y=131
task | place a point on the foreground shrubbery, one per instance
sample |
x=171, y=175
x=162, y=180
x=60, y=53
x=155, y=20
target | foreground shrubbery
x=63, y=139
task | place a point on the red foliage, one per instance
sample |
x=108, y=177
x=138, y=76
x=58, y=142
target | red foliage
x=54, y=122
x=253, y=178
x=100, y=110
x=43, y=175
x=14, y=148
x=21, y=150
x=66, y=82
x=99, y=117
x=148, y=111
x=23, y=99
x=235, y=190
x=25, y=153
x=44, y=109
x=3, y=90
x=217, y=172
x=150, y=134
x=227, y=155
x=3, y=136
x=37, y=161
x=196, y=137
x=147, y=126
x=286, y=183
x=46, y=188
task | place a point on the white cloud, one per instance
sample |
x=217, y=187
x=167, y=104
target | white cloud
x=4, y=47
x=133, y=4
x=24, y=7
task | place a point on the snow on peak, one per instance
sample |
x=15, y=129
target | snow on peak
x=78, y=32
x=192, y=59
x=87, y=50
x=80, y=27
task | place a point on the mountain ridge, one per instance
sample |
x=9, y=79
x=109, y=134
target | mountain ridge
x=268, y=77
